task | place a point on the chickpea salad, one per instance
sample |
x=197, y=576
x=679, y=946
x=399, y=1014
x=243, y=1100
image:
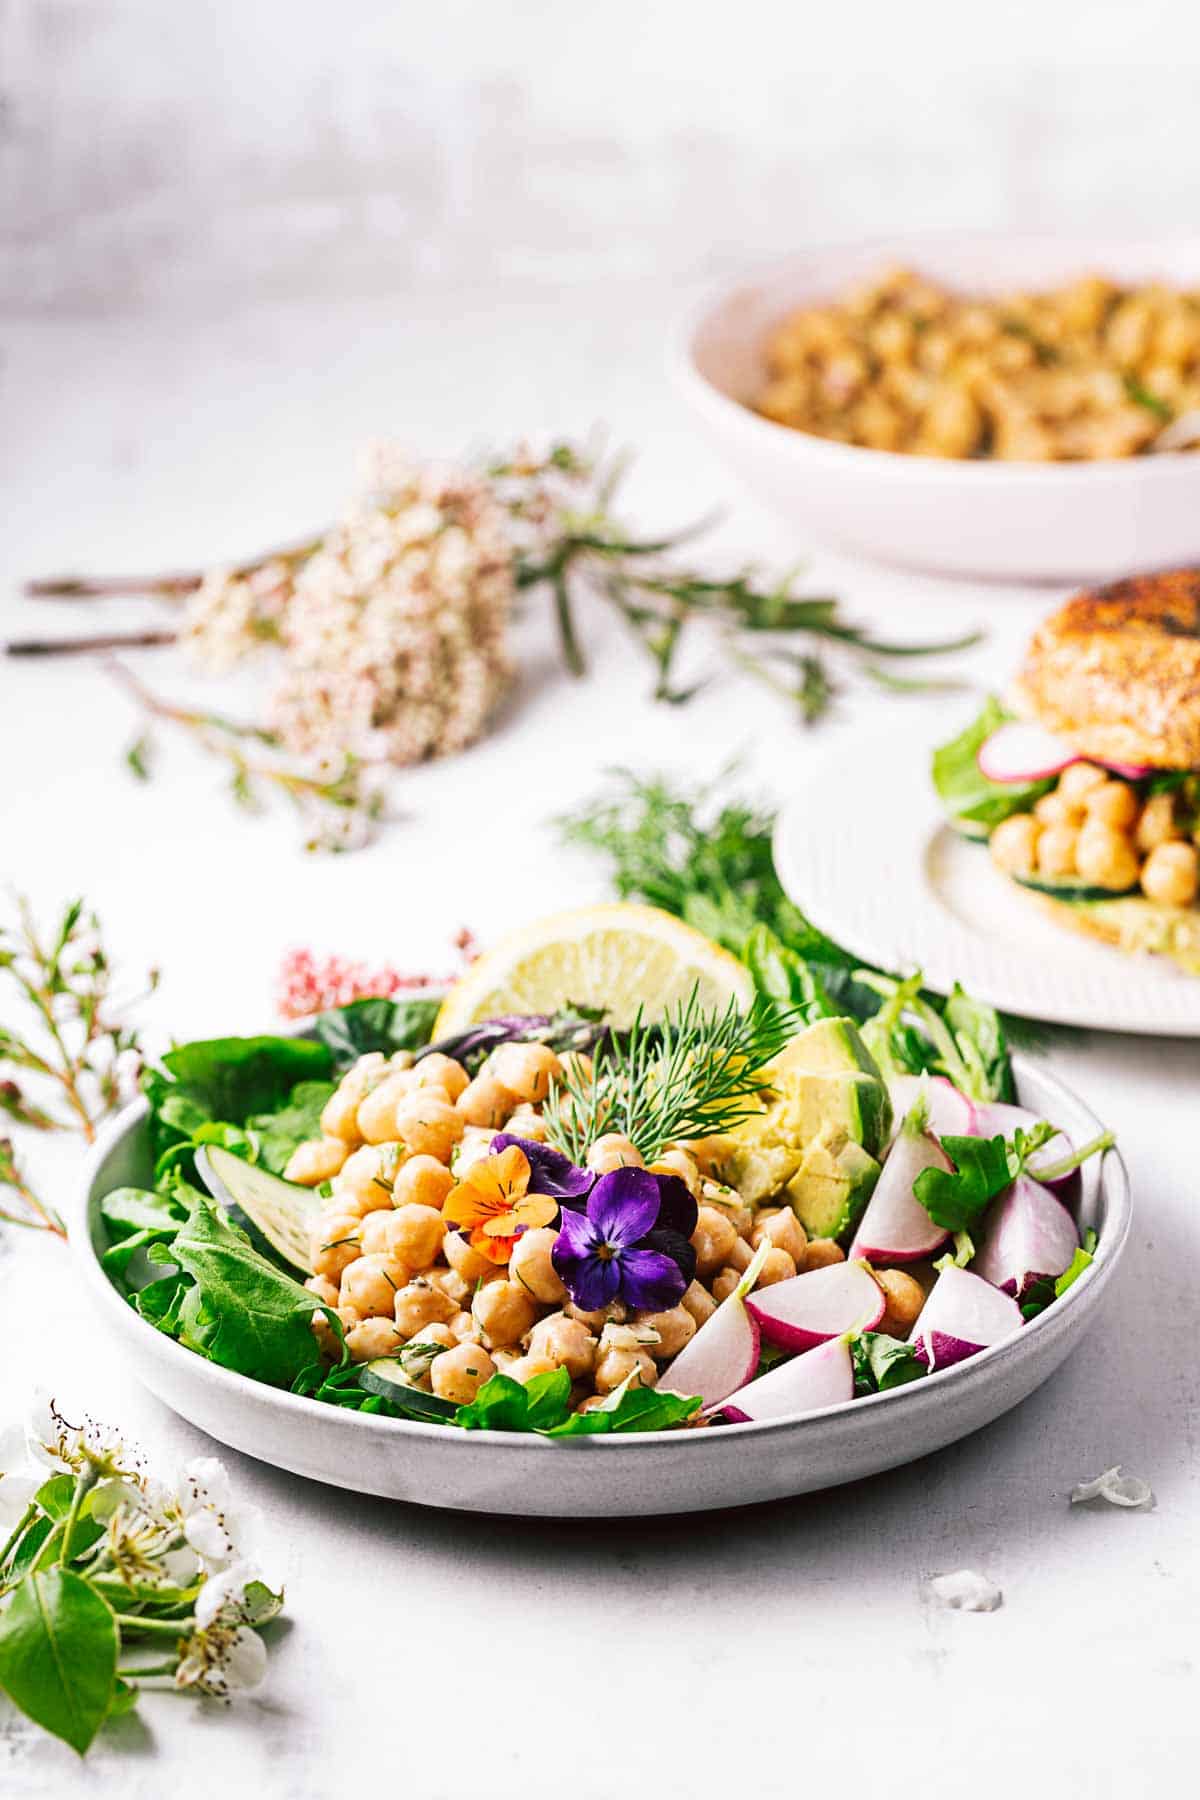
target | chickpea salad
x=719, y=1213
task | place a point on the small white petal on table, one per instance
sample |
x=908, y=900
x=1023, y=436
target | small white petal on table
x=966, y=1590
x=1117, y=1489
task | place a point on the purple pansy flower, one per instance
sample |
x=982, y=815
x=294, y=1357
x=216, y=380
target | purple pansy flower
x=550, y=1172
x=631, y=1243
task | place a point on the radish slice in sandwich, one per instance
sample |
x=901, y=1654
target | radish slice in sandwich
x=1020, y=752
x=963, y=1315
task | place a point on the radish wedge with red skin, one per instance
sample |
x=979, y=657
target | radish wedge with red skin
x=999, y=1119
x=809, y=1309
x=1020, y=752
x=821, y=1377
x=951, y=1114
x=1029, y=1234
x=724, y=1353
x=963, y=1315
x=895, y=1226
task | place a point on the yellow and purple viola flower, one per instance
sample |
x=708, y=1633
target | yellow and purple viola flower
x=629, y=1242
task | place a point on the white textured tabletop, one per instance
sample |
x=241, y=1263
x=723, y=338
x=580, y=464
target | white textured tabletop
x=787, y=1650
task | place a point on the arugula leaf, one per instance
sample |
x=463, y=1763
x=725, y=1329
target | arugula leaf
x=967, y=794
x=543, y=1405
x=348, y=1032
x=243, y=1312
x=1041, y=1294
x=58, y=1654
x=882, y=1362
x=278, y=1133
x=982, y=1042
x=636, y=1409
x=956, y=1200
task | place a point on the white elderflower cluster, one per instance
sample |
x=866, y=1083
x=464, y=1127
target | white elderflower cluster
x=392, y=627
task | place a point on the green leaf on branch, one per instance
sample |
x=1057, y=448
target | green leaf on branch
x=58, y=1654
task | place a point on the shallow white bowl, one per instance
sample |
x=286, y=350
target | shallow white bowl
x=1006, y=521
x=658, y=1472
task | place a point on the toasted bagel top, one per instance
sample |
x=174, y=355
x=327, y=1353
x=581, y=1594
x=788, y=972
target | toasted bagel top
x=1117, y=670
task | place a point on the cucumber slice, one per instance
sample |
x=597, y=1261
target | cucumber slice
x=1071, y=888
x=276, y=1215
x=385, y=1376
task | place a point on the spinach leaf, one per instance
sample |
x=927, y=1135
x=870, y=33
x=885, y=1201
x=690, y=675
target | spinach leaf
x=226, y=1080
x=967, y=794
x=503, y=1404
x=278, y=1133
x=58, y=1654
x=243, y=1312
x=882, y=1363
x=635, y=1409
x=348, y=1032
x=135, y=1218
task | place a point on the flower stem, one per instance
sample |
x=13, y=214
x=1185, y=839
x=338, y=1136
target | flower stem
x=133, y=1624
x=154, y=1669
x=20, y=1528
x=572, y=654
x=86, y=646
x=84, y=1483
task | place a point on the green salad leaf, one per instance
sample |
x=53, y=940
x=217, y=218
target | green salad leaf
x=1041, y=1294
x=348, y=1032
x=974, y=802
x=882, y=1362
x=279, y=1133
x=227, y=1081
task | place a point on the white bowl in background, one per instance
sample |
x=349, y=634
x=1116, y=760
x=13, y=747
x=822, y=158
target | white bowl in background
x=589, y=1477
x=1060, y=522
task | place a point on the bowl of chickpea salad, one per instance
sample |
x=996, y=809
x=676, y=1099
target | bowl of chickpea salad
x=546, y=1266
x=1007, y=408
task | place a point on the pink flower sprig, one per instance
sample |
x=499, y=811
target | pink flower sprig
x=309, y=984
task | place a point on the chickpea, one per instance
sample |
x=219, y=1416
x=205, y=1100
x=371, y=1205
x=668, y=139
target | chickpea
x=595, y=1321
x=414, y=1235
x=340, y=1115
x=317, y=1161
x=707, y=1153
x=1113, y=803
x=1169, y=874
x=1157, y=823
x=777, y=1266
x=373, y=1232
x=1105, y=857
x=728, y=1201
x=712, y=1240
x=504, y=1312
x=699, y=1302
x=422, y=1181
x=526, y=1070
x=434, y=1334
x=428, y=1125
x=1056, y=850
x=741, y=1256
x=821, y=1252
x=463, y=1328
x=365, y=1179
x=1013, y=844
x=459, y=1374
x=323, y=1288
x=1053, y=809
x=524, y=1368
x=504, y=1359
x=567, y=1343
x=1078, y=781
x=612, y=1151
x=530, y=1265
x=466, y=1261
x=613, y=1366
x=484, y=1102
x=418, y=1304
x=724, y=1282
x=373, y=1337
x=674, y=1327
x=784, y=1230
x=451, y=1284
x=371, y=1284
x=678, y=1162
x=436, y=1070
x=472, y=1147
x=905, y=1297
x=334, y=1243
x=377, y=1113
x=575, y=1064
x=525, y=1123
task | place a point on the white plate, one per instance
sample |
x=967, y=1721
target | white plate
x=903, y=890
x=1004, y=520
x=657, y=1472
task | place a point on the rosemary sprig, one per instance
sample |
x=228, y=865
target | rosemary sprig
x=694, y=1074
x=78, y=1049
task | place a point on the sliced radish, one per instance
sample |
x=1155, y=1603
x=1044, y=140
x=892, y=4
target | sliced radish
x=808, y=1309
x=1029, y=1233
x=1128, y=771
x=723, y=1355
x=999, y=1119
x=963, y=1315
x=895, y=1226
x=1021, y=752
x=951, y=1114
x=821, y=1377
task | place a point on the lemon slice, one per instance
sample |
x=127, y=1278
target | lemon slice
x=618, y=956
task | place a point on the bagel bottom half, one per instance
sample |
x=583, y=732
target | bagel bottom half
x=1132, y=923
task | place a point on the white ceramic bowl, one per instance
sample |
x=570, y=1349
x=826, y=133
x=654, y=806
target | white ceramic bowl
x=658, y=1472
x=1007, y=521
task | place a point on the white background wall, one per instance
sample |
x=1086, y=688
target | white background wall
x=192, y=155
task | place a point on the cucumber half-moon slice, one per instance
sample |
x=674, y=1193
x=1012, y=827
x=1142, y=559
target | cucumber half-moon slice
x=276, y=1215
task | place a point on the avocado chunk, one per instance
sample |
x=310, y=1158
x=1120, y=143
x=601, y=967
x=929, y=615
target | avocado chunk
x=828, y=1047
x=829, y=1191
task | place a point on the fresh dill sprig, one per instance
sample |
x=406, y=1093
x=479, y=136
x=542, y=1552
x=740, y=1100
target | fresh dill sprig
x=693, y=1074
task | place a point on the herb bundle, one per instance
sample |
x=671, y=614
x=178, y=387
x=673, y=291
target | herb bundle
x=111, y=1581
